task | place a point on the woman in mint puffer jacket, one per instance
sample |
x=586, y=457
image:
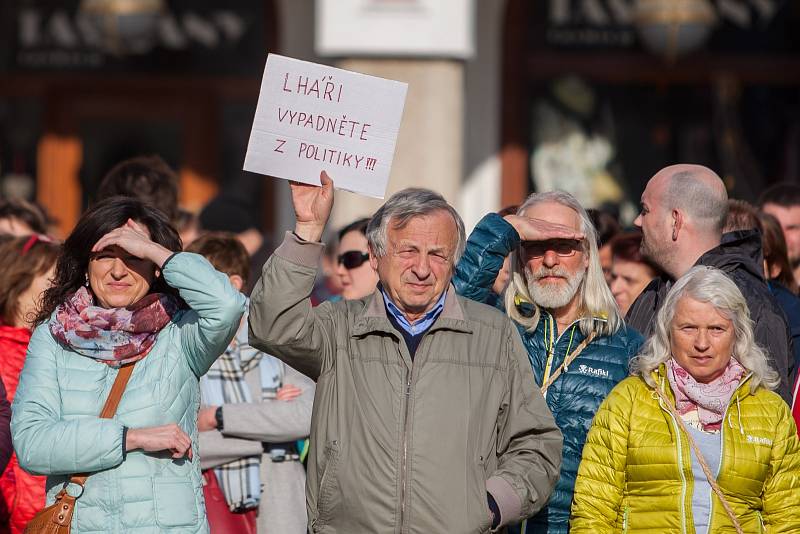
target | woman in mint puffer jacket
x=120, y=295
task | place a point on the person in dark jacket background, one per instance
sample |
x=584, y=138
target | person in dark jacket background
x=683, y=211
x=577, y=343
x=6, y=447
x=780, y=279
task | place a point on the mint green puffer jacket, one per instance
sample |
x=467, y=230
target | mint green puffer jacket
x=57, y=432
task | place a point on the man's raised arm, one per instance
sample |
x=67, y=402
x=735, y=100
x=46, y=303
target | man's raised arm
x=282, y=321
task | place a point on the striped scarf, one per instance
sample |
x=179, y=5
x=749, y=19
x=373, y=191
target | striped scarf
x=240, y=480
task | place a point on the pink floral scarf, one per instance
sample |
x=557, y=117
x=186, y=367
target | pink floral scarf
x=114, y=336
x=710, y=400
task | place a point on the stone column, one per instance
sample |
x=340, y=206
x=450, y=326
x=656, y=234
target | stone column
x=429, y=151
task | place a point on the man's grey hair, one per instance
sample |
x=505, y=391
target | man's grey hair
x=404, y=206
x=598, y=309
x=701, y=202
x=707, y=284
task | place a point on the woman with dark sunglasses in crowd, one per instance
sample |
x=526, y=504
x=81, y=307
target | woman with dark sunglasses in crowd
x=356, y=275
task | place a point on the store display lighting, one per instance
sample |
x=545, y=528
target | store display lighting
x=672, y=28
x=124, y=26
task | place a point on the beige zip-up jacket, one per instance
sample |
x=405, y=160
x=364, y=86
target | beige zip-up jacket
x=408, y=448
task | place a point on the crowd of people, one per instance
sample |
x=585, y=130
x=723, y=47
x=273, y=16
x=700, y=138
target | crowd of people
x=552, y=371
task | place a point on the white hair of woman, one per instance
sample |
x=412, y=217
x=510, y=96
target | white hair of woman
x=598, y=309
x=708, y=285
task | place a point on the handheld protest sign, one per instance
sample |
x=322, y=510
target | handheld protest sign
x=314, y=117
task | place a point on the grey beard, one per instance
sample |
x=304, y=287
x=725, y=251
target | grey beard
x=552, y=296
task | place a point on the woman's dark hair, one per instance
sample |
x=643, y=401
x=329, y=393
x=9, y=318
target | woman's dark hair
x=23, y=259
x=626, y=246
x=775, y=251
x=29, y=213
x=99, y=220
x=359, y=225
x=606, y=224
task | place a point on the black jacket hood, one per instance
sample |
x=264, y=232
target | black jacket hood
x=738, y=250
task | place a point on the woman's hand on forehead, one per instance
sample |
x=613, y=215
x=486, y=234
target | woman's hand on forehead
x=134, y=239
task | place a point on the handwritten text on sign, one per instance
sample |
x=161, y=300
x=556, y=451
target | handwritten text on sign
x=313, y=117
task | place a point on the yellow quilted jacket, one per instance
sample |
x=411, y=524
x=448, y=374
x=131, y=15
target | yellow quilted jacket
x=636, y=472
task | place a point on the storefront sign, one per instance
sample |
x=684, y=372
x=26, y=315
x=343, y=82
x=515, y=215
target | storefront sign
x=313, y=117
x=442, y=28
x=611, y=24
x=185, y=37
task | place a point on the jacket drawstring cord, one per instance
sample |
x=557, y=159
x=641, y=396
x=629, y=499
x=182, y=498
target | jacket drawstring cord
x=739, y=415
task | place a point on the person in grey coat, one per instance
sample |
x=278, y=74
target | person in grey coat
x=255, y=408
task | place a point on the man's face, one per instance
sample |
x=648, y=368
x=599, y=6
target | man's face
x=418, y=263
x=789, y=217
x=554, y=269
x=654, y=220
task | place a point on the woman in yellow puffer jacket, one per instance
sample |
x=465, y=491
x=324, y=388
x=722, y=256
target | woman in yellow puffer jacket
x=699, y=385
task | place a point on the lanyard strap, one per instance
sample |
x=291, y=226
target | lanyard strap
x=568, y=360
x=711, y=480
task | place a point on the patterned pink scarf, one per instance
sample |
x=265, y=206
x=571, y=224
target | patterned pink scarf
x=114, y=336
x=710, y=400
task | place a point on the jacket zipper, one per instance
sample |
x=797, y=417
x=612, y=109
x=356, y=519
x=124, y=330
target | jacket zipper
x=680, y=467
x=680, y=459
x=719, y=468
x=722, y=452
x=403, y=463
x=552, y=350
x=625, y=519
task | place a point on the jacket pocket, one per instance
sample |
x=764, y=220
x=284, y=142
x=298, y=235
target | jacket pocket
x=327, y=498
x=175, y=502
x=485, y=518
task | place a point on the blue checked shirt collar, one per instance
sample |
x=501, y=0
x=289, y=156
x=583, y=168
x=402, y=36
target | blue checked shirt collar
x=419, y=326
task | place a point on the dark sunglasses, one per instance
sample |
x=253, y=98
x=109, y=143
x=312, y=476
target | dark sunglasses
x=352, y=259
x=562, y=247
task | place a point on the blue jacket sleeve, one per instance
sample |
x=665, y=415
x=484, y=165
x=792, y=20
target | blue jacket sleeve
x=216, y=308
x=46, y=443
x=487, y=247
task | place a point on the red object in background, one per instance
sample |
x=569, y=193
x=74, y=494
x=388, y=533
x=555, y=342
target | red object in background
x=796, y=403
x=220, y=519
x=23, y=494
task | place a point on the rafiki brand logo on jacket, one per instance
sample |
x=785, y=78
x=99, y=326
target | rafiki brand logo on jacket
x=759, y=440
x=586, y=370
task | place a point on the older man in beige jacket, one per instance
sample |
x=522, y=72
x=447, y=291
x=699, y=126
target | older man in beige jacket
x=425, y=417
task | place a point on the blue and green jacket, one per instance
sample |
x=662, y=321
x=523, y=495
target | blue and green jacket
x=577, y=394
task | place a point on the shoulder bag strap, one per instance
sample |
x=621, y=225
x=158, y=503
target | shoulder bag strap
x=711, y=479
x=568, y=360
x=110, y=407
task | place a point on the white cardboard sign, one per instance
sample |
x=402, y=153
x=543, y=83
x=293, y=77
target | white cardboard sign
x=314, y=117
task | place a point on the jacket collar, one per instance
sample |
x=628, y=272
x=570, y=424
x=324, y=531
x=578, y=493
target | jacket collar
x=738, y=250
x=372, y=318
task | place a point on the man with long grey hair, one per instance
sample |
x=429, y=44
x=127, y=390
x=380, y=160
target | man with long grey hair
x=425, y=417
x=578, y=346
x=683, y=211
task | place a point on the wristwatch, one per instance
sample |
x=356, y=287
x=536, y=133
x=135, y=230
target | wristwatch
x=218, y=417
